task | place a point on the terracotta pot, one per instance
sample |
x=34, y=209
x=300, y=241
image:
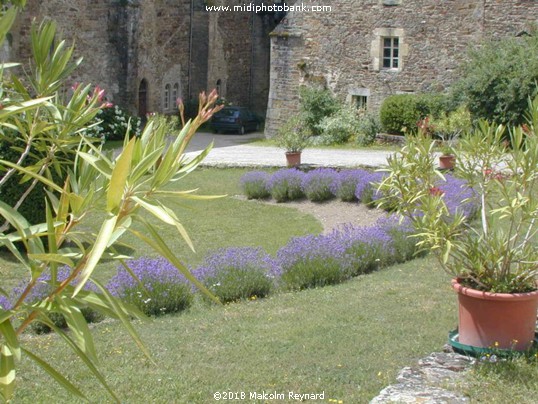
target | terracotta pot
x=446, y=162
x=293, y=159
x=496, y=320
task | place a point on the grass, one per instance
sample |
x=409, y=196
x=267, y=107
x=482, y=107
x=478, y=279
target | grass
x=348, y=341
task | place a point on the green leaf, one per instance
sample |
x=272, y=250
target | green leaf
x=24, y=170
x=62, y=381
x=78, y=325
x=118, y=180
x=105, y=233
x=50, y=257
x=11, y=340
x=7, y=372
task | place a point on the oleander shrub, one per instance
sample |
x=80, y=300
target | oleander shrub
x=234, y=274
x=286, y=185
x=40, y=291
x=162, y=288
x=255, y=185
x=400, y=113
x=346, y=182
x=318, y=184
x=312, y=261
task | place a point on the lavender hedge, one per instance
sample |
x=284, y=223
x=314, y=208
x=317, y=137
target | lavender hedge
x=318, y=184
x=255, y=185
x=238, y=273
x=286, y=185
x=162, y=288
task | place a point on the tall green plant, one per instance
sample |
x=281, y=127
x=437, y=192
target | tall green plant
x=133, y=181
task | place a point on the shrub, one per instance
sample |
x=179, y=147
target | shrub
x=162, y=288
x=346, y=182
x=255, y=185
x=498, y=78
x=40, y=291
x=368, y=128
x=312, y=261
x=316, y=103
x=366, y=191
x=286, y=184
x=338, y=128
x=112, y=124
x=294, y=135
x=318, y=184
x=400, y=113
x=238, y=273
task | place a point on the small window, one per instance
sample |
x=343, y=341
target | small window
x=359, y=101
x=175, y=94
x=391, y=53
x=166, y=102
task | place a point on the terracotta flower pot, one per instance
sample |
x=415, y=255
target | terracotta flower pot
x=496, y=320
x=446, y=162
x=293, y=159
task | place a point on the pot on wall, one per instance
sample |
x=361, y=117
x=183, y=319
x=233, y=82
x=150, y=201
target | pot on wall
x=293, y=159
x=496, y=320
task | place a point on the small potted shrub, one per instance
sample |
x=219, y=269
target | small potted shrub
x=294, y=137
x=448, y=128
x=493, y=263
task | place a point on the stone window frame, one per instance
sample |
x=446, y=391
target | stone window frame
x=175, y=94
x=359, y=97
x=166, y=98
x=376, y=50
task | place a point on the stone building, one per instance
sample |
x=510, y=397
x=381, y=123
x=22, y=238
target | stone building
x=365, y=50
x=147, y=53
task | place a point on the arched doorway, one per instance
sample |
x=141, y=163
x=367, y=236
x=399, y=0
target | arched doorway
x=143, y=99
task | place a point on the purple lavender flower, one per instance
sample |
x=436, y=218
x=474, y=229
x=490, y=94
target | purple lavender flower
x=366, y=191
x=458, y=195
x=318, y=184
x=286, y=184
x=255, y=184
x=238, y=273
x=346, y=183
x=162, y=288
x=5, y=303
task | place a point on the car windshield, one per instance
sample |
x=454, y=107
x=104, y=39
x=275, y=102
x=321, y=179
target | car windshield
x=231, y=113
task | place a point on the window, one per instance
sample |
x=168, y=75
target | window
x=391, y=53
x=175, y=94
x=360, y=101
x=166, y=102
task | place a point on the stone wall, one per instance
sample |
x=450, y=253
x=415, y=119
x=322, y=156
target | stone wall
x=343, y=48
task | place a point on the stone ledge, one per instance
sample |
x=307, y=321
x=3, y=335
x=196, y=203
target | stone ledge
x=425, y=382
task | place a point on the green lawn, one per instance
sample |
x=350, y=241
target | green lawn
x=348, y=341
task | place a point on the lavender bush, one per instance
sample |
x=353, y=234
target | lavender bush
x=233, y=274
x=286, y=185
x=318, y=184
x=41, y=290
x=162, y=288
x=255, y=185
x=346, y=184
x=312, y=261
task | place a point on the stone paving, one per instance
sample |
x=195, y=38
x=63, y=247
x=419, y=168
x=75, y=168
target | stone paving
x=234, y=150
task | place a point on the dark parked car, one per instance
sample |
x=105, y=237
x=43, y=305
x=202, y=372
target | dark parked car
x=234, y=119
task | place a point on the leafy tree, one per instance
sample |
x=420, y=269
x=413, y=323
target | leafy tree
x=133, y=181
x=498, y=79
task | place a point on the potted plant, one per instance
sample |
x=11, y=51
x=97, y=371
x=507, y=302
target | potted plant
x=448, y=128
x=493, y=260
x=294, y=137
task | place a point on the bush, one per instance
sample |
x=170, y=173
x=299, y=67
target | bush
x=238, y=273
x=400, y=113
x=112, y=124
x=338, y=128
x=162, y=288
x=41, y=291
x=369, y=127
x=346, y=182
x=286, y=185
x=498, y=78
x=312, y=261
x=255, y=185
x=366, y=191
x=318, y=184
x=316, y=103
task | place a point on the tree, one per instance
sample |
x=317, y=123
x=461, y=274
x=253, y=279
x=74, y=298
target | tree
x=499, y=78
x=133, y=181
